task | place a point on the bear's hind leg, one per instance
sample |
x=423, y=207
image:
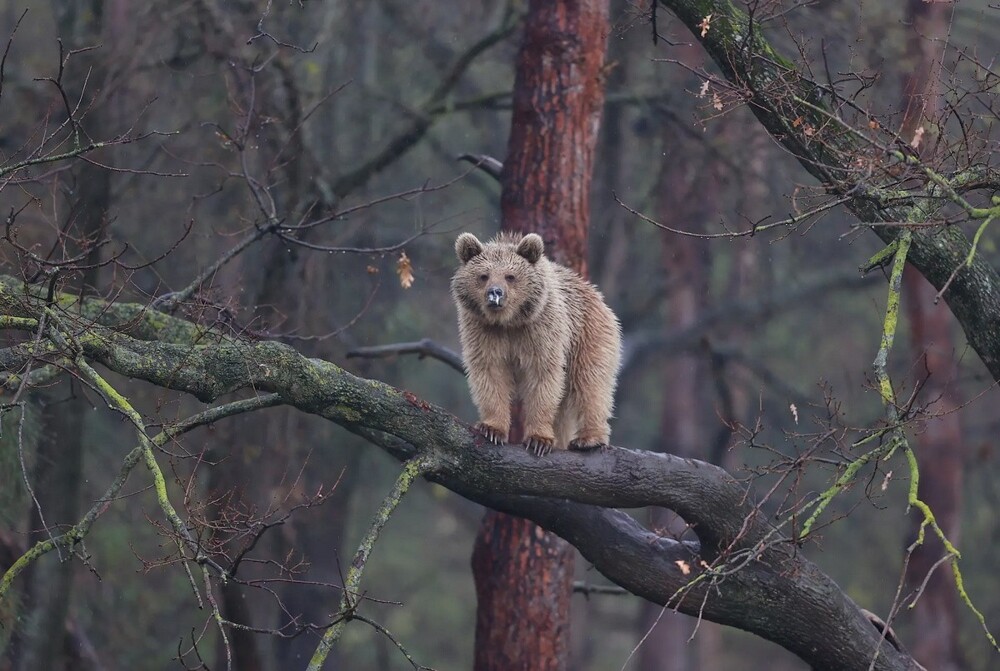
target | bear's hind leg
x=592, y=405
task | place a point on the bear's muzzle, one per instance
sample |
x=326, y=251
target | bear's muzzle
x=495, y=297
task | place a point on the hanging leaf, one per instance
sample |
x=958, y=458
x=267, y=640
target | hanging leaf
x=705, y=24
x=404, y=268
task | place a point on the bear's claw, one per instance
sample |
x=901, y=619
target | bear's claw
x=492, y=434
x=538, y=446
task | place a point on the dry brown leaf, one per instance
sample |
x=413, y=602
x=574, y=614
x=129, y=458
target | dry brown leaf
x=918, y=135
x=372, y=270
x=705, y=25
x=716, y=101
x=704, y=89
x=404, y=268
x=683, y=566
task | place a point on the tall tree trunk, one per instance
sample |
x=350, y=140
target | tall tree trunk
x=685, y=190
x=43, y=643
x=523, y=574
x=939, y=446
x=266, y=450
x=558, y=98
x=58, y=471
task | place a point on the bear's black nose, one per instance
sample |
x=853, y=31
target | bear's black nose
x=494, y=297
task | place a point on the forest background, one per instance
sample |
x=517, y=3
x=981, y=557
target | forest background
x=290, y=172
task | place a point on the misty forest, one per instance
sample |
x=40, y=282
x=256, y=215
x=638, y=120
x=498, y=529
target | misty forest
x=236, y=431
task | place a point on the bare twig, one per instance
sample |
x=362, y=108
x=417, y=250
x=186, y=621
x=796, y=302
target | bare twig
x=425, y=347
x=81, y=528
x=491, y=166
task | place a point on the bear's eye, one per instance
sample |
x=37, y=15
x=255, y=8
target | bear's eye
x=509, y=278
x=484, y=277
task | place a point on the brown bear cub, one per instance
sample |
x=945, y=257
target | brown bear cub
x=534, y=330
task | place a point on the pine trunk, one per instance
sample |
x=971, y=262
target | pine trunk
x=524, y=574
x=938, y=445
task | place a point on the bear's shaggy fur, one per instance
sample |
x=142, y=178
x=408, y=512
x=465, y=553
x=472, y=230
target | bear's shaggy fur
x=534, y=330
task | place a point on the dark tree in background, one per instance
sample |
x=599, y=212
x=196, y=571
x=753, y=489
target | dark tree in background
x=524, y=574
x=85, y=205
x=940, y=442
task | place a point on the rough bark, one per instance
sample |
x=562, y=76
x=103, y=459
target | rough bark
x=523, y=574
x=558, y=97
x=524, y=578
x=778, y=594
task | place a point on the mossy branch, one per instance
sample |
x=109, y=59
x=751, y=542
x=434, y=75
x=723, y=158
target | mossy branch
x=570, y=494
x=352, y=584
x=844, y=481
x=79, y=531
x=889, y=324
x=52, y=158
x=790, y=107
x=913, y=500
x=900, y=248
x=899, y=440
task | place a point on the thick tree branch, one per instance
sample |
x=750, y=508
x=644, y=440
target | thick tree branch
x=829, y=149
x=752, y=579
x=779, y=595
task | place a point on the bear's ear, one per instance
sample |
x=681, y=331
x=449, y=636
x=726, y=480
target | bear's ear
x=531, y=247
x=467, y=246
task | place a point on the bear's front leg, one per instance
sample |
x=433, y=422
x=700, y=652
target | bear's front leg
x=492, y=386
x=541, y=394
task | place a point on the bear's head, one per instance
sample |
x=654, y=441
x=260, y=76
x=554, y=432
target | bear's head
x=503, y=281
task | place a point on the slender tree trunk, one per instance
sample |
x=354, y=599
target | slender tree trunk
x=287, y=440
x=939, y=446
x=523, y=574
x=58, y=474
x=56, y=480
x=684, y=190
